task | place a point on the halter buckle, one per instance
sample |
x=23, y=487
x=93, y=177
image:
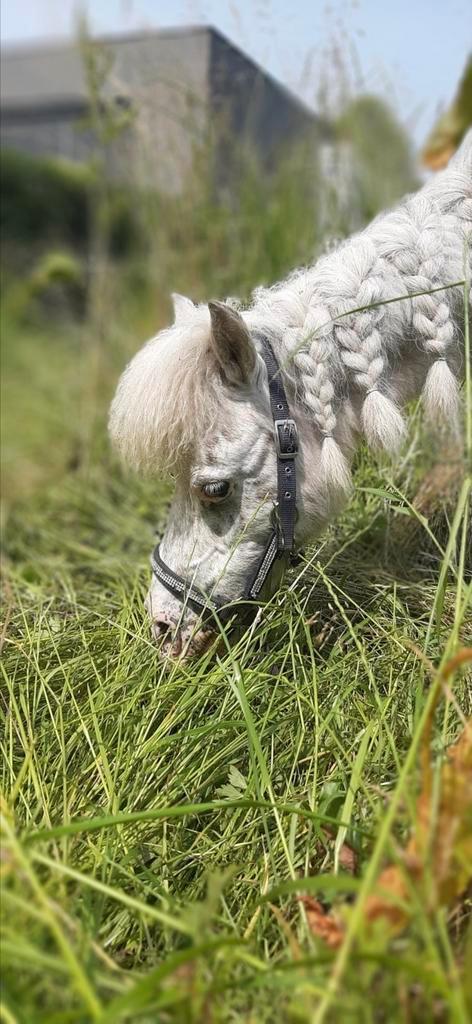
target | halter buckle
x=286, y=438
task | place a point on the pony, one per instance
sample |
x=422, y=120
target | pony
x=375, y=322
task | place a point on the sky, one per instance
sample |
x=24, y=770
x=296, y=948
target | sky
x=411, y=52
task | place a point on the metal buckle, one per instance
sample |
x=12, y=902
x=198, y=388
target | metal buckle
x=286, y=438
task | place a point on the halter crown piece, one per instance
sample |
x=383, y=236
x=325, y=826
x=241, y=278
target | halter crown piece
x=282, y=538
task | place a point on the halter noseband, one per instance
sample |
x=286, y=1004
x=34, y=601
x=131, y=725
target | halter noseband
x=282, y=538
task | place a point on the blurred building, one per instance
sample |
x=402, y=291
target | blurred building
x=186, y=91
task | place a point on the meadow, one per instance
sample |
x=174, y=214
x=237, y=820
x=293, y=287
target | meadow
x=275, y=832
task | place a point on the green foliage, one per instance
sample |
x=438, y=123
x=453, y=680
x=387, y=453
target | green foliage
x=382, y=159
x=267, y=227
x=44, y=199
x=57, y=284
x=48, y=201
x=55, y=289
x=56, y=268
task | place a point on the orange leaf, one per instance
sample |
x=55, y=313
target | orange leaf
x=322, y=923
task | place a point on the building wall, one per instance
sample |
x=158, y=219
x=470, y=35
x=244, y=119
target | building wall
x=183, y=90
x=162, y=79
x=253, y=113
x=257, y=109
x=165, y=80
x=52, y=131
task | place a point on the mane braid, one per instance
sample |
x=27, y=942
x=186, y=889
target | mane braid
x=345, y=346
x=424, y=258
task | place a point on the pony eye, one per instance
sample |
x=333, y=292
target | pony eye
x=216, y=489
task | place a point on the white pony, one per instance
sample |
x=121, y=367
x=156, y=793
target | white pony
x=194, y=401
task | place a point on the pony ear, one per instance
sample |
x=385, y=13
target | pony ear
x=231, y=344
x=182, y=307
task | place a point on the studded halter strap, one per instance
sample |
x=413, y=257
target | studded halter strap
x=282, y=538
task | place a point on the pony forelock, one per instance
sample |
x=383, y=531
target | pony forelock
x=167, y=395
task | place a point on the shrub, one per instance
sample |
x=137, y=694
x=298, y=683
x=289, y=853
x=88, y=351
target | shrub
x=50, y=201
x=383, y=165
x=58, y=285
x=44, y=198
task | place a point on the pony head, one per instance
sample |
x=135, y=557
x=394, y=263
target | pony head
x=194, y=404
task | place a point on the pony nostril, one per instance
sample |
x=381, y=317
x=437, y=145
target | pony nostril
x=161, y=628
x=166, y=634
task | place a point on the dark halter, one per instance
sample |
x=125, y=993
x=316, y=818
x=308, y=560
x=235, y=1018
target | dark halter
x=282, y=539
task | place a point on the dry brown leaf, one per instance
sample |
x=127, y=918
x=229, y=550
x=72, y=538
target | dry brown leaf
x=446, y=836
x=449, y=131
x=322, y=923
x=348, y=859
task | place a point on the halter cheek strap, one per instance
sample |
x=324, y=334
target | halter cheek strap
x=282, y=538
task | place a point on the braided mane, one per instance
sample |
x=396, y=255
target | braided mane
x=344, y=344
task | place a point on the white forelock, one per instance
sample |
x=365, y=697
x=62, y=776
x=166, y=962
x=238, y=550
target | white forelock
x=167, y=394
